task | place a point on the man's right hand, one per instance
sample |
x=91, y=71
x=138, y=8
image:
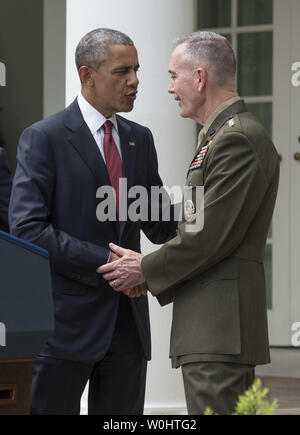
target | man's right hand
x=135, y=292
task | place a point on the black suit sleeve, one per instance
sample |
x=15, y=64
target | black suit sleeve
x=5, y=190
x=31, y=208
x=164, y=225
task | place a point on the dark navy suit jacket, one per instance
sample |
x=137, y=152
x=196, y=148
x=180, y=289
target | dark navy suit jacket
x=5, y=189
x=53, y=205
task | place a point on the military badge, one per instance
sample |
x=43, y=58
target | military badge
x=189, y=210
x=198, y=161
x=231, y=122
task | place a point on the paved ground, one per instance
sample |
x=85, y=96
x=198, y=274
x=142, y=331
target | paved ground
x=286, y=391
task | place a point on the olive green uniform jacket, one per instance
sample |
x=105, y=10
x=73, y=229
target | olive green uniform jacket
x=215, y=277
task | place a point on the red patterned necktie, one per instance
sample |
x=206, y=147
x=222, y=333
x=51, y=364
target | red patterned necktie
x=113, y=160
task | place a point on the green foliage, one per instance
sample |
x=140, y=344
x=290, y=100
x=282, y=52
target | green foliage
x=253, y=402
x=209, y=411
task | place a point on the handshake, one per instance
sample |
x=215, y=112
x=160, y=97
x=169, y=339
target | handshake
x=124, y=272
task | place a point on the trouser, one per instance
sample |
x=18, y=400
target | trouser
x=116, y=383
x=215, y=385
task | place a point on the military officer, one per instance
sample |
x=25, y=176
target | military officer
x=215, y=276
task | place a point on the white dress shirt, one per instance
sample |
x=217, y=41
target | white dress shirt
x=95, y=121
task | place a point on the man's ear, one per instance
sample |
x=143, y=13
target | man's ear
x=86, y=76
x=201, y=75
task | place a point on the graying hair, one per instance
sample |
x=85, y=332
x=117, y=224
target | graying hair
x=213, y=49
x=93, y=49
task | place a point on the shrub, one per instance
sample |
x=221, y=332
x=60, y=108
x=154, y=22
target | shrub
x=253, y=402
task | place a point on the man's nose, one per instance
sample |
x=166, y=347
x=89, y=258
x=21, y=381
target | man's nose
x=171, y=87
x=133, y=80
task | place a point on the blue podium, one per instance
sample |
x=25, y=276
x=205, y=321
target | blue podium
x=26, y=318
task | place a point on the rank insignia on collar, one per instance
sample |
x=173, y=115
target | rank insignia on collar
x=200, y=157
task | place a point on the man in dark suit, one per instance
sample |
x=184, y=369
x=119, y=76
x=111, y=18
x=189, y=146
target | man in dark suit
x=100, y=335
x=5, y=189
x=214, y=276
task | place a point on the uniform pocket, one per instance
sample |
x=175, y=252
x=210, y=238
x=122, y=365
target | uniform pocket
x=206, y=313
x=195, y=177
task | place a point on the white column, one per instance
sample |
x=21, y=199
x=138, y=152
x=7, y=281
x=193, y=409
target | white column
x=54, y=56
x=295, y=164
x=152, y=25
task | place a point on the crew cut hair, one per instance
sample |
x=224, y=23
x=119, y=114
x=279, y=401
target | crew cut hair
x=93, y=49
x=214, y=50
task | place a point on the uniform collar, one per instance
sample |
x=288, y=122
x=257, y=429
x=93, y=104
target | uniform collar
x=211, y=119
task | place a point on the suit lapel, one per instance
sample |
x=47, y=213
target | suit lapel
x=128, y=149
x=83, y=141
x=86, y=146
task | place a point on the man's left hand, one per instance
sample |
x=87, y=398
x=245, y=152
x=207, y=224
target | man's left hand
x=125, y=273
x=138, y=291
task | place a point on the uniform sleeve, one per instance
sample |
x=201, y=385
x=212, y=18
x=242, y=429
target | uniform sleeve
x=234, y=188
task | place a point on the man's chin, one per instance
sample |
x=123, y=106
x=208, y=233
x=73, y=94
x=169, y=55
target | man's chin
x=183, y=114
x=127, y=108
